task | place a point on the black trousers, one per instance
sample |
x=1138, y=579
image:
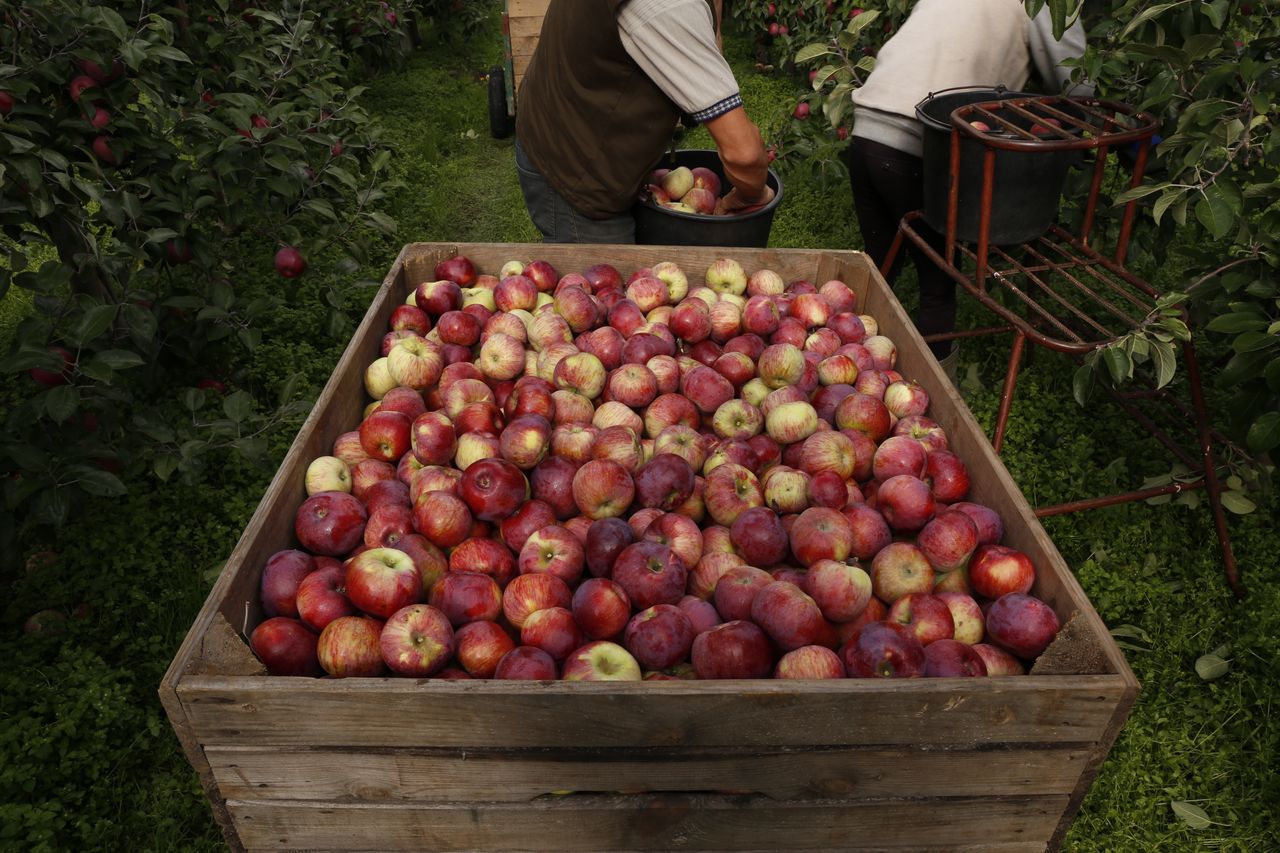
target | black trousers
x=888, y=183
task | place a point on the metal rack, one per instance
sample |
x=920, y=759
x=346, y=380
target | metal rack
x=1057, y=291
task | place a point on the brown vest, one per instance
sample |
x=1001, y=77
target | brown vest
x=587, y=116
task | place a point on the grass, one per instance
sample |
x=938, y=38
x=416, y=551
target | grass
x=88, y=759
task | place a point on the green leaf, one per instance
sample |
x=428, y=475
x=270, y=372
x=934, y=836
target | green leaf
x=238, y=405
x=1118, y=364
x=111, y=20
x=1264, y=433
x=1238, y=503
x=1253, y=342
x=1231, y=324
x=164, y=466
x=172, y=54
x=1214, y=212
x=94, y=323
x=1146, y=15
x=1165, y=362
x=1210, y=667
x=1082, y=383
x=1216, y=12
x=102, y=483
x=120, y=359
x=193, y=399
x=62, y=402
x=1190, y=814
x=810, y=52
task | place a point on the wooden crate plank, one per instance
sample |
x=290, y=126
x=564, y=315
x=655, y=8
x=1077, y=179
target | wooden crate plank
x=523, y=775
x=527, y=8
x=524, y=34
x=653, y=822
x=845, y=712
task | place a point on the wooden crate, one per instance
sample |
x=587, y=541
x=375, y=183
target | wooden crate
x=523, y=25
x=996, y=764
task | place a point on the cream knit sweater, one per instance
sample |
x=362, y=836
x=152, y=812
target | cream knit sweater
x=948, y=43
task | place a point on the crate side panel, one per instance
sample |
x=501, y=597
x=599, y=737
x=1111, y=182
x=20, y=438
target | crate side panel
x=523, y=775
x=390, y=713
x=653, y=822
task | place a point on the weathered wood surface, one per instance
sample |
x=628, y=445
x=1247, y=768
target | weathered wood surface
x=467, y=714
x=510, y=775
x=654, y=822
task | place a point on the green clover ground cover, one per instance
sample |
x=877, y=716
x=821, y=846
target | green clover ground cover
x=87, y=758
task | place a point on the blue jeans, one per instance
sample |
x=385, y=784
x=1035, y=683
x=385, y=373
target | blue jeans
x=557, y=219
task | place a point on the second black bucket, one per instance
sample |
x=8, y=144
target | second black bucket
x=1028, y=185
x=658, y=226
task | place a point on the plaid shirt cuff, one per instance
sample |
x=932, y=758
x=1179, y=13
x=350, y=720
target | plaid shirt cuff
x=718, y=109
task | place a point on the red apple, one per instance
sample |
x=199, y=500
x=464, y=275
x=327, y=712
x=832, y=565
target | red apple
x=951, y=659
x=905, y=502
x=466, y=597
x=600, y=660
x=883, y=650
x=553, y=550
x=528, y=593
x=1021, y=624
x=348, y=648
x=809, y=662
x=990, y=528
x=947, y=476
x=281, y=575
x=948, y=541
x=997, y=570
x=926, y=616
x=330, y=523
x=458, y=269
x=606, y=539
x=736, y=589
x=789, y=616
x=840, y=590
x=480, y=553
x=380, y=581
x=602, y=488
x=443, y=518
x=900, y=568
x=416, y=641
x=480, y=646
x=998, y=661
x=286, y=647
x=322, y=596
x=552, y=483
x=664, y=482
x=970, y=624
x=493, y=488
x=758, y=535
x=736, y=649
x=821, y=533
x=526, y=663
x=659, y=636
x=650, y=573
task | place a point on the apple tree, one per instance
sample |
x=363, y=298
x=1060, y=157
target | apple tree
x=140, y=153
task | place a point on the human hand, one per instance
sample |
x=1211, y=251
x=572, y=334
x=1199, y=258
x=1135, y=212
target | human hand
x=732, y=202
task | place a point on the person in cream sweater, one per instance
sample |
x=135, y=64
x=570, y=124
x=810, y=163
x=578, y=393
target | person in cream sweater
x=943, y=44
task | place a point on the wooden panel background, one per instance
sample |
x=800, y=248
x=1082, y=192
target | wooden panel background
x=223, y=706
x=524, y=24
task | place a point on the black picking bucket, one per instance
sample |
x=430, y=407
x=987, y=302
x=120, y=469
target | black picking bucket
x=1027, y=187
x=659, y=226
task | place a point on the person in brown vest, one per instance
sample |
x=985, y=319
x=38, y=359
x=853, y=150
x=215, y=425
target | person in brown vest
x=599, y=103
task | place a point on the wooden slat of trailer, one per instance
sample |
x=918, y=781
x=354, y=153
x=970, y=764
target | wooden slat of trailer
x=654, y=822
x=522, y=775
x=474, y=714
x=527, y=8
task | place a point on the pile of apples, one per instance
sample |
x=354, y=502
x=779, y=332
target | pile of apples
x=588, y=477
x=686, y=190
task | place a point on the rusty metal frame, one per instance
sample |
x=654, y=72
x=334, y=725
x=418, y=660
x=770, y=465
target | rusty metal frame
x=1072, y=298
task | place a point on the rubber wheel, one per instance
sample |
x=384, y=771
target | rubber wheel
x=499, y=120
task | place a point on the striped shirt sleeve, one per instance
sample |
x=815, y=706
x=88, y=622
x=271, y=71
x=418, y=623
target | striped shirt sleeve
x=674, y=42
